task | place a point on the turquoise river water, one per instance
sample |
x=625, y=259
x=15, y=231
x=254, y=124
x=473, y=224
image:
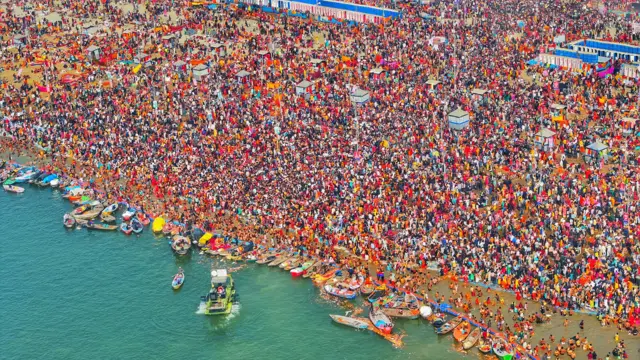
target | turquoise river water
x=78, y=294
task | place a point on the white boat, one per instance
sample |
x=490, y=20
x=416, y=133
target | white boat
x=127, y=215
x=110, y=209
x=55, y=182
x=13, y=189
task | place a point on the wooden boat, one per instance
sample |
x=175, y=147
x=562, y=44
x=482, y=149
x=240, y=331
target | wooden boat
x=340, y=292
x=279, y=260
x=400, y=306
x=267, y=258
x=312, y=269
x=106, y=217
x=91, y=214
x=178, y=280
x=300, y=270
x=472, y=339
x=110, y=209
x=136, y=226
x=502, y=349
x=234, y=257
x=13, y=189
x=354, y=323
x=126, y=228
x=355, y=282
x=180, y=245
x=287, y=261
x=128, y=214
x=462, y=331
x=380, y=320
x=293, y=264
x=377, y=293
x=144, y=219
x=448, y=326
x=320, y=278
x=402, y=313
x=439, y=319
x=68, y=221
x=367, y=288
x=80, y=210
x=484, y=347
x=84, y=200
x=98, y=226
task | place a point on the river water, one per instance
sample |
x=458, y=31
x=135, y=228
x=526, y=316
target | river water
x=78, y=294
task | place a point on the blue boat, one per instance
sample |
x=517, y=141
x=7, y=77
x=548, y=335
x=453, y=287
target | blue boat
x=26, y=176
x=49, y=178
x=136, y=226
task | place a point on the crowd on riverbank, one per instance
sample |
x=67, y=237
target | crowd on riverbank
x=388, y=180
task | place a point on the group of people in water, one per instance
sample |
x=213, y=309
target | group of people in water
x=246, y=148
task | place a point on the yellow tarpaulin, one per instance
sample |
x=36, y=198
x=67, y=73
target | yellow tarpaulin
x=206, y=237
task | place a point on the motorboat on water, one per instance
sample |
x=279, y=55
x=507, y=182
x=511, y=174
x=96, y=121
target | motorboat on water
x=93, y=211
x=180, y=245
x=69, y=221
x=222, y=296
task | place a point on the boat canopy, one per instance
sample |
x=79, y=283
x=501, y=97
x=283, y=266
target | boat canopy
x=219, y=276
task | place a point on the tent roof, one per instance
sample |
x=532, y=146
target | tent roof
x=558, y=107
x=458, y=113
x=200, y=67
x=216, y=45
x=597, y=146
x=479, y=91
x=377, y=71
x=179, y=63
x=304, y=84
x=629, y=119
x=54, y=17
x=262, y=52
x=316, y=61
x=433, y=82
x=92, y=48
x=545, y=133
x=242, y=73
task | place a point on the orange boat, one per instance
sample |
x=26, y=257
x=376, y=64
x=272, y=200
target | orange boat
x=462, y=331
x=320, y=278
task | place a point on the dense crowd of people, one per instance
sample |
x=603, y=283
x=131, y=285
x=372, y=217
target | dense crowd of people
x=387, y=179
